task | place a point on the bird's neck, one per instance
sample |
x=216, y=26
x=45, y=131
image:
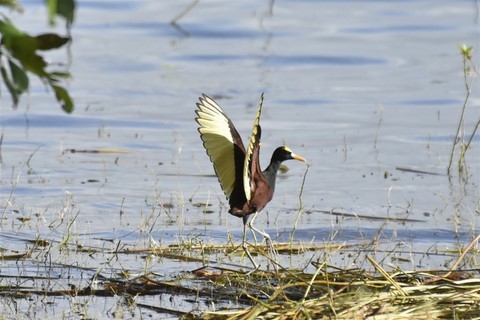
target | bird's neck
x=271, y=172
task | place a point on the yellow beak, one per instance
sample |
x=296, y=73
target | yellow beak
x=297, y=157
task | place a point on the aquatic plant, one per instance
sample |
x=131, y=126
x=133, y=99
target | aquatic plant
x=470, y=71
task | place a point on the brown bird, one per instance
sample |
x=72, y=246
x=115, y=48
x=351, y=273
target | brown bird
x=247, y=188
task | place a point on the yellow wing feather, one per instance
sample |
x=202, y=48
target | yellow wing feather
x=216, y=133
x=253, y=143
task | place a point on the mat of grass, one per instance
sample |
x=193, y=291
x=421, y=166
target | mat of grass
x=234, y=292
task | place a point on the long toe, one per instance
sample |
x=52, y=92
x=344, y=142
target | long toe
x=245, y=249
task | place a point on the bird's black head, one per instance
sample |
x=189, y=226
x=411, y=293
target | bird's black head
x=279, y=155
x=284, y=153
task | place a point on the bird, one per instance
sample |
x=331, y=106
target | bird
x=247, y=188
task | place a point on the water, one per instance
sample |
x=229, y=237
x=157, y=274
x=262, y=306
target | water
x=360, y=89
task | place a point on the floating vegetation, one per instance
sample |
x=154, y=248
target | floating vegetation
x=357, y=294
x=231, y=291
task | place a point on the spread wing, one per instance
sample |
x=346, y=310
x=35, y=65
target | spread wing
x=221, y=140
x=252, y=164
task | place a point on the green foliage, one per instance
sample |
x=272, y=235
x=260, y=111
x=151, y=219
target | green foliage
x=466, y=51
x=63, y=8
x=12, y=4
x=20, y=55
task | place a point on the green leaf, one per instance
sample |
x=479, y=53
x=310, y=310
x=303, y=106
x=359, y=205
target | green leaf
x=23, y=43
x=8, y=29
x=66, y=9
x=22, y=48
x=10, y=86
x=19, y=76
x=63, y=8
x=64, y=98
x=59, y=74
x=50, y=41
x=32, y=62
x=466, y=51
x=52, y=10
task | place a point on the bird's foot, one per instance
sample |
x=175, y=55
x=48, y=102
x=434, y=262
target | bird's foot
x=274, y=252
x=255, y=265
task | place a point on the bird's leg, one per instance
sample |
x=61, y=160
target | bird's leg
x=265, y=235
x=245, y=223
x=244, y=244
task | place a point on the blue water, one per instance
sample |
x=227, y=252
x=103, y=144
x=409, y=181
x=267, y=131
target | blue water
x=359, y=88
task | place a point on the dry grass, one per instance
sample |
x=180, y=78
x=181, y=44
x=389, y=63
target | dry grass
x=326, y=293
